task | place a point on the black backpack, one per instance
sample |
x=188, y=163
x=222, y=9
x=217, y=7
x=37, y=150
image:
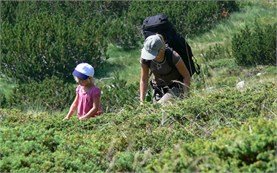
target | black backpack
x=161, y=25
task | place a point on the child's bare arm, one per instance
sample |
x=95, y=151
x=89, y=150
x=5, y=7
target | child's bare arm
x=73, y=108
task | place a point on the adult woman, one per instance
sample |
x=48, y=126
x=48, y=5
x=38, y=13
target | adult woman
x=169, y=81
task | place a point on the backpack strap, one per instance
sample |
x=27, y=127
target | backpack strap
x=168, y=56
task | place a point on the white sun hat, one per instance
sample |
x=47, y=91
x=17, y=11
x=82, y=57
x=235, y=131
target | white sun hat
x=83, y=71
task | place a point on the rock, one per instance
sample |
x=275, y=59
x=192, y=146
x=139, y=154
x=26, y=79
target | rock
x=240, y=85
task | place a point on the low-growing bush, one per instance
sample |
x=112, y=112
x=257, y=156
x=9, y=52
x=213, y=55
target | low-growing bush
x=52, y=94
x=41, y=39
x=224, y=130
x=250, y=148
x=44, y=43
x=55, y=94
x=255, y=46
x=188, y=18
x=217, y=52
x=117, y=93
x=6, y=87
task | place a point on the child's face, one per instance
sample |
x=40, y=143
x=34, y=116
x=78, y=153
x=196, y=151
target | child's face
x=82, y=82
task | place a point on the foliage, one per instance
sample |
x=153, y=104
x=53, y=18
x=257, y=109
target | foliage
x=217, y=52
x=188, y=17
x=225, y=130
x=250, y=148
x=55, y=94
x=48, y=43
x=123, y=33
x=51, y=94
x=6, y=87
x=215, y=130
x=44, y=39
x=117, y=94
x=255, y=47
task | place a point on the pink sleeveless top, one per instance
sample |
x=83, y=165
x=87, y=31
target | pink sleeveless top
x=85, y=100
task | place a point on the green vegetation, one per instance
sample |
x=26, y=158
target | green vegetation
x=48, y=42
x=50, y=94
x=220, y=128
x=225, y=30
x=213, y=50
x=41, y=41
x=6, y=87
x=121, y=62
x=255, y=47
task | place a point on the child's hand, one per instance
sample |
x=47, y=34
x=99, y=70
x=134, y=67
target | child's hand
x=83, y=118
x=66, y=118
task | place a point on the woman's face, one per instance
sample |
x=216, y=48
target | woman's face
x=160, y=55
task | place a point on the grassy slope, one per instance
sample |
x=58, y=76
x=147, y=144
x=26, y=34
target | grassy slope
x=123, y=63
x=126, y=63
x=223, y=71
x=218, y=128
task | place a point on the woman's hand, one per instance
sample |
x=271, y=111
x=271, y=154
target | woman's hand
x=186, y=91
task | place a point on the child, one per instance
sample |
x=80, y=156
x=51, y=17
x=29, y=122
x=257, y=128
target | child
x=87, y=100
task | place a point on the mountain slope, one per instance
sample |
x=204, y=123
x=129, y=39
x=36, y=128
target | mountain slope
x=220, y=128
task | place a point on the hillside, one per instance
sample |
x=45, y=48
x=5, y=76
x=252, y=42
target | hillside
x=220, y=128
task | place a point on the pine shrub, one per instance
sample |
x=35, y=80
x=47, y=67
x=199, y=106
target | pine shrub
x=45, y=43
x=117, y=94
x=51, y=94
x=255, y=46
x=187, y=17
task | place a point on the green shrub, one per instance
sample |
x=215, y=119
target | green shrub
x=123, y=33
x=117, y=93
x=41, y=39
x=250, y=148
x=224, y=130
x=188, y=18
x=52, y=94
x=55, y=94
x=6, y=87
x=44, y=43
x=123, y=162
x=255, y=46
x=217, y=52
